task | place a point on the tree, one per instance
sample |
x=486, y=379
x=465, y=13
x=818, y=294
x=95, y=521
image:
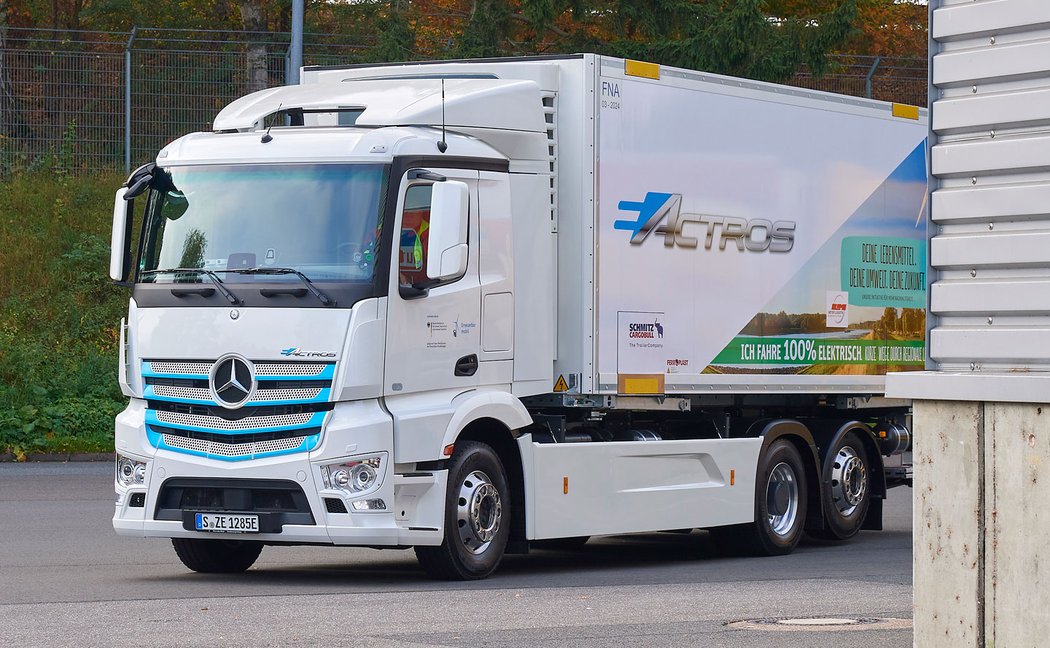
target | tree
x=890, y=28
x=258, y=76
x=487, y=30
x=734, y=37
x=396, y=40
x=737, y=37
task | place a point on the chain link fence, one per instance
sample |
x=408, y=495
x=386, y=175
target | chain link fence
x=82, y=100
x=901, y=80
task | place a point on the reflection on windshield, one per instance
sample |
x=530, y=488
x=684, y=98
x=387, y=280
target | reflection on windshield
x=321, y=220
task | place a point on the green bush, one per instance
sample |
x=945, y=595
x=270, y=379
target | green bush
x=59, y=313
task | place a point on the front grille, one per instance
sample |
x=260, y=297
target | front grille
x=260, y=395
x=249, y=423
x=182, y=368
x=289, y=368
x=184, y=416
x=203, y=368
x=220, y=449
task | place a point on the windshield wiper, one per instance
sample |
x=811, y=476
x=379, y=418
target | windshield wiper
x=314, y=290
x=230, y=297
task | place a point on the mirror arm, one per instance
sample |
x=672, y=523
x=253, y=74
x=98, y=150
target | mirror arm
x=423, y=174
x=129, y=220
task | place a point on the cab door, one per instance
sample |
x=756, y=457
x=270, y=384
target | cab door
x=434, y=336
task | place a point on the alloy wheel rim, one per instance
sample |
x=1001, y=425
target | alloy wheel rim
x=849, y=483
x=479, y=512
x=782, y=494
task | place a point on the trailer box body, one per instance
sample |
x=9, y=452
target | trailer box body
x=721, y=235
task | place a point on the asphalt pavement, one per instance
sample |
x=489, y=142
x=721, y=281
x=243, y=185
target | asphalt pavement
x=67, y=580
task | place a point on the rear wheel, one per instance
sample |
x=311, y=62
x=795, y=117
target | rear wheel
x=217, y=556
x=847, y=489
x=477, y=516
x=780, y=506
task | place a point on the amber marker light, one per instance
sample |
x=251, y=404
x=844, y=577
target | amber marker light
x=565, y=485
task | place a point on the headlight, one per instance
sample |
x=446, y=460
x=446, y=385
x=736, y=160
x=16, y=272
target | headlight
x=353, y=477
x=130, y=472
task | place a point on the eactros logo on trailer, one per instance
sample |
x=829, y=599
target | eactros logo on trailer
x=755, y=235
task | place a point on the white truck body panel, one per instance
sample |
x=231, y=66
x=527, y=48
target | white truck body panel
x=625, y=487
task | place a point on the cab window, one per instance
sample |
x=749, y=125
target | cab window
x=414, y=237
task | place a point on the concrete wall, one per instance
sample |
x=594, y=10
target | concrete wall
x=982, y=524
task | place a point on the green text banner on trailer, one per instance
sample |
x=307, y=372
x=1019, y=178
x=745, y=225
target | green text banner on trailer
x=773, y=234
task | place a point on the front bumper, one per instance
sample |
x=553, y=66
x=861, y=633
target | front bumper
x=414, y=501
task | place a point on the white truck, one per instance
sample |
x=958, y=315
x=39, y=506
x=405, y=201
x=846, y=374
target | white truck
x=465, y=306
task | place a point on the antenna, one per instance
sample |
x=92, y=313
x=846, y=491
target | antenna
x=442, y=145
x=266, y=139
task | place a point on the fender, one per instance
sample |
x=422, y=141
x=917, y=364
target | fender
x=491, y=404
x=829, y=435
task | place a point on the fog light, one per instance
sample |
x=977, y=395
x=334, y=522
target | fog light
x=369, y=505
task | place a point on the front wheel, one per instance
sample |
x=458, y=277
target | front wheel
x=477, y=516
x=780, y=506
x=217, y=556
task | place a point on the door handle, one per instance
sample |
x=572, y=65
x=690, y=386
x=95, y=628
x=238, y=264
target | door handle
x=467, y=365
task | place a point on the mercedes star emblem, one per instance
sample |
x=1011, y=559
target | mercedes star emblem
x=231, y=381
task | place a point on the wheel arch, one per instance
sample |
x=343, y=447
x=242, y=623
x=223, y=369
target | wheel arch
x=499, y=437
x=827, y=435
x=490, y=417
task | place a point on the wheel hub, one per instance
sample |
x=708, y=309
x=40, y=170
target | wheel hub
x=782, y=499
x=479, y=512
x=849, y=483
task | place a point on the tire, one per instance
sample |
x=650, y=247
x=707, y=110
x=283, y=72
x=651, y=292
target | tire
x=780, y=506
x=217, y=556
x=561, y=544
x=846, y=489
x=477, y=516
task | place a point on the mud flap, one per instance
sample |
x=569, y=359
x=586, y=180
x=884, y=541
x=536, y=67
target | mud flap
x=873, y=520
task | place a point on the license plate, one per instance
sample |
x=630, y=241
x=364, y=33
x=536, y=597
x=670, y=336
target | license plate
x=225, y=523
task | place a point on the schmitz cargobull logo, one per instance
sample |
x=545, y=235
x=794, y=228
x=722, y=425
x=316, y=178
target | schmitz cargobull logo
x=755, y=235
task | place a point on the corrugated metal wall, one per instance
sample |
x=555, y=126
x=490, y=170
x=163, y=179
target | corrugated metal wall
x=990, y=206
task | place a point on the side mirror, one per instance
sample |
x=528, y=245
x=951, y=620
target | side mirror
x=447, y=248
x=118, y=243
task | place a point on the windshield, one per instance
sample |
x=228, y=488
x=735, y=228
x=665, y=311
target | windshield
x=322, y=220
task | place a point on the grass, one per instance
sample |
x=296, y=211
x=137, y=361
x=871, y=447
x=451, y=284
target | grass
x=59, y=313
